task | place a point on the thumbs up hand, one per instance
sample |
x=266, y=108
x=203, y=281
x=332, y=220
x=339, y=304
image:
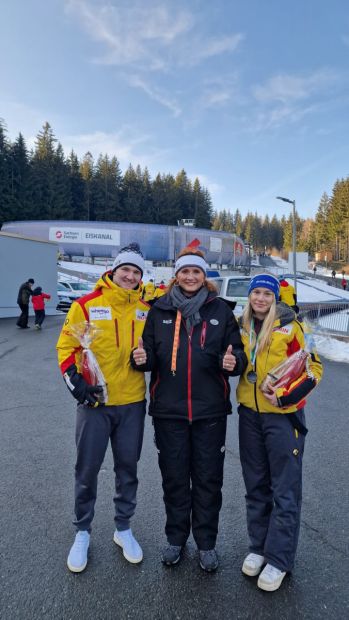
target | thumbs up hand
x=139, y=354
x=229, y=360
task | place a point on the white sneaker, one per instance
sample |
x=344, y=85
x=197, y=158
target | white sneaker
x=131, y=549
x=252, y=565
x=77, y=558
x=270, y=578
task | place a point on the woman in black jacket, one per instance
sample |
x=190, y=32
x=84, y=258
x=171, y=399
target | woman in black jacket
x=191, y=343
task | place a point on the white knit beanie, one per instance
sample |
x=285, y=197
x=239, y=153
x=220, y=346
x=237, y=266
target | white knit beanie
x=130, y=255
x=191, y=260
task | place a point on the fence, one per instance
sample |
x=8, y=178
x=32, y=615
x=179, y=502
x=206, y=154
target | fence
x=327, y=317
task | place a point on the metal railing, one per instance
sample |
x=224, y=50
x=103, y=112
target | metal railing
x=327, y=317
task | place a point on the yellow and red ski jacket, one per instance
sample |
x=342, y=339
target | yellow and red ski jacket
x=121, y=315
x=287, y=293
x=287, y=338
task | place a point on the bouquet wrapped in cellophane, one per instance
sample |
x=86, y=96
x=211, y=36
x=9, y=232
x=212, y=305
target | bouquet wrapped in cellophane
x=286, y=372
x=292, y=367
x=86, y=332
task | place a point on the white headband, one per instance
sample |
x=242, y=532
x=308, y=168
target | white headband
x=191, y=260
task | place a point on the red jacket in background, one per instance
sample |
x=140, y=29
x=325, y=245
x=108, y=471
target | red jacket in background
x=38, y=301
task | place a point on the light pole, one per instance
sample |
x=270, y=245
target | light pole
x=294, y=237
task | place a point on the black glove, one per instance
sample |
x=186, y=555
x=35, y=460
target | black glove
x=84, y=393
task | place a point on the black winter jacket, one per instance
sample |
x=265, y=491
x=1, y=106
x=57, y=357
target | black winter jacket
x=200, y=387
x=24, y=294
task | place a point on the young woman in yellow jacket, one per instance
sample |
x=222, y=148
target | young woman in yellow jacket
x=116, y=309
x=272, y=432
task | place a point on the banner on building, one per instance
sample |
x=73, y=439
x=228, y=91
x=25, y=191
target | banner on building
x=215, y=244
x=95, y=236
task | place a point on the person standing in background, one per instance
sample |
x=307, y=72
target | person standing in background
x=23, y=297
x=288, y=294
x=38, y=301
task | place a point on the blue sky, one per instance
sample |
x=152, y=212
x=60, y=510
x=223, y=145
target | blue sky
x=251, y=96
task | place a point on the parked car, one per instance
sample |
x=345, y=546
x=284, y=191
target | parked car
x=82, y=288
x=65, y=298
x=234, y=289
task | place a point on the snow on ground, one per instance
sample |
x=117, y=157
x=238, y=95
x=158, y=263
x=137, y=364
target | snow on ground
x=85, y=269
x=332, y=349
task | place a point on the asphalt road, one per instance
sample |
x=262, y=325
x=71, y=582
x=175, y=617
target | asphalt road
x=36, y=493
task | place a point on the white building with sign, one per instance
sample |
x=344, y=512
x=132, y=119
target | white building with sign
x=22, y=258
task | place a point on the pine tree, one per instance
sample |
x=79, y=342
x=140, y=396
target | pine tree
x=77, y=187
x=147, y=202
x=132, y=196
x=202, y=206
x=42, y=175
x=20, y=171
x=62, y=202
x=5, y=176
x=183, y=188
x=87, y=173
x=237, y=223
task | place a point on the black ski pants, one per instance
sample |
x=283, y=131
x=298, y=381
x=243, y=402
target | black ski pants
x=191, y=460
x=23, y=318
x=39, y=317
x=123, y=425
x=271, y=454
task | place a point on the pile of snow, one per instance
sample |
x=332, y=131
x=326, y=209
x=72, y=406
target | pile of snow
x=332, y=349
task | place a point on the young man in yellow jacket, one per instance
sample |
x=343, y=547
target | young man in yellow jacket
x=116, y=309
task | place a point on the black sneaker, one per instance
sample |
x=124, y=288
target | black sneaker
x=171, y=555
x=208, y=560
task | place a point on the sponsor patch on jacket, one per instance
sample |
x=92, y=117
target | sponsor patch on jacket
x=99, y=313
x=285, y=329
x=214, y=322
x=167, y=321
x=141, y=315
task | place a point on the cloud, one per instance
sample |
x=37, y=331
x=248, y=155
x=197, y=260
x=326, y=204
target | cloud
x=138, y=35
x=285, y=98
x=215, y=189
x=216, y=99
x=155, y=94
x=127, y=145
x=23, y=118
x=200, y=50
x=288, y=88
x=221, y=90
x=150, y=35
x=150, y=38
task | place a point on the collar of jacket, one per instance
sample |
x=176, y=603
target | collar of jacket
x=165, y=302
x=116, y=294
x=284, y=315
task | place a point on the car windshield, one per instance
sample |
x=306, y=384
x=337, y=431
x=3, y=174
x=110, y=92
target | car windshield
x=79, y=286
x=61, y=287
x=238, y=288
x=218, y=282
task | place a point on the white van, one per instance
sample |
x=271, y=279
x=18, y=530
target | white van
x=234, y=289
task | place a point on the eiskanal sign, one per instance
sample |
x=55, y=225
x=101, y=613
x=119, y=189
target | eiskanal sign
x=93, y=236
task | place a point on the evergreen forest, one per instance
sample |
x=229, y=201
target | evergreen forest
x=45, y=183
